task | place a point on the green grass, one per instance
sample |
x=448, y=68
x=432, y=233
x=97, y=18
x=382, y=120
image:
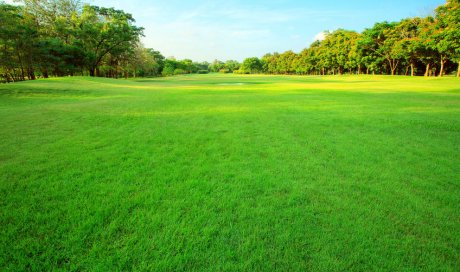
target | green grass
x=204, y=173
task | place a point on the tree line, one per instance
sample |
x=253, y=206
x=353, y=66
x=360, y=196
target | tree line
x=68, y=37
x=414, y=46
x=65, y=37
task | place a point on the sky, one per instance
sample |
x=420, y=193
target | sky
x=204, y=30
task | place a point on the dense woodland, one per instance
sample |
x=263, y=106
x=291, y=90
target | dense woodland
x=43, y=38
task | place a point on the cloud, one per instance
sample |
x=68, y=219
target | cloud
x=320, y=36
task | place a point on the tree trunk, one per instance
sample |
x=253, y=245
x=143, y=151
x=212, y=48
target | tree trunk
x=441, y=73
x=23, y=76
x=458, y=71
x=91, y=72
x=427, y=70
x=393, y=65
x=12, y=77
x=32, y=75
x=412, y=69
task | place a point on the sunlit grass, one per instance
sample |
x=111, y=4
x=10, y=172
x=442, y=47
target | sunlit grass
x=201, y=172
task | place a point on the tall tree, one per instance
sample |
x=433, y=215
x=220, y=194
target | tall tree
x=383, y=40
x=410, y=42
x=104, y=31
x=447, y=33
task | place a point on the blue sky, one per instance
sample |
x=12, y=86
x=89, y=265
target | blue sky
x=236, y=29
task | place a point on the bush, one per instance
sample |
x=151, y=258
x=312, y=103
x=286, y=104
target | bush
x=241, y=72
x=179, y=72
x=224, y=71
x=203, y=72
x=168, y=71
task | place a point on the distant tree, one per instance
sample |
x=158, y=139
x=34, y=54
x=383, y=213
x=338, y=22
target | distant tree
x=270, y=62
x=141, y=62
x=232, y=65
x=252, y=66
x=285, y=62
x=338, y=46
x=216, y=66
x=202, y=67
x=169, y=67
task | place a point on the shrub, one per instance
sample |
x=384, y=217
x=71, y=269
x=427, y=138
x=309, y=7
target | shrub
x=179, y=72
x=241, y=72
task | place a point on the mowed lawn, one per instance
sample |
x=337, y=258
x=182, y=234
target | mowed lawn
x=230, y=173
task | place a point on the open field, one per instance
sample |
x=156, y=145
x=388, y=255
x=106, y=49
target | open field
x=230, y=173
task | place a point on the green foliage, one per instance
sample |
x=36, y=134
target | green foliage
x=232, y=65
x=202, y=66
x=447, y=33
x=63, y=37
x=240, y=72
x=252, y=66
x=114, y=34
x=179, y=72
x=18, y=43
x=386, y=48
x=216, y=66
x=169, y=67
x=175, y=67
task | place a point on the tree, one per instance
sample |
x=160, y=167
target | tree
x=169, y=68
x=216, y=66
x=252, y=66
x=383, y=40
x=428, y=48
x=447, y=33
x=270, y=62
x=18, y=40
x=412, y=46
x=232, y=65
x=104, y=31
x=284, y=63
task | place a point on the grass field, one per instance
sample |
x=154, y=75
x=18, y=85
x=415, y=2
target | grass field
x=230, y=173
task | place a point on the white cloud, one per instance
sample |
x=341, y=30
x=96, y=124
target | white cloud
x=320, y=36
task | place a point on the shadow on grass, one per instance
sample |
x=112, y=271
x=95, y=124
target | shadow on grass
x=45, y=92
